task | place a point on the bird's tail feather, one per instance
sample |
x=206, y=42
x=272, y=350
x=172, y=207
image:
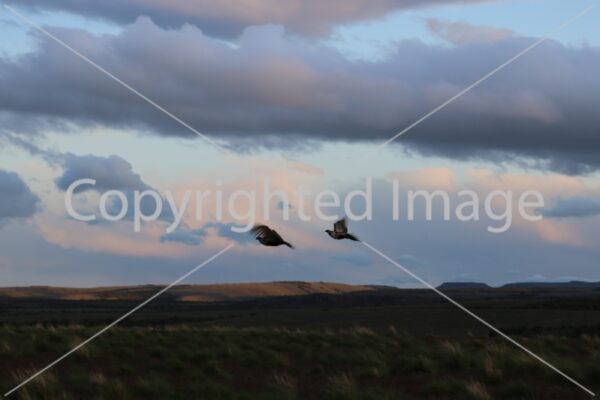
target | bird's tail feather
x=288, y=245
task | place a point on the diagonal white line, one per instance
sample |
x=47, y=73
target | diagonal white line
x=116, y=79
x=478, y=318
x=100, y=332
x=486, y=76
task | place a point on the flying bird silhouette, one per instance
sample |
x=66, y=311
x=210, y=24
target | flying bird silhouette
x=268, y=237
x=340, y=231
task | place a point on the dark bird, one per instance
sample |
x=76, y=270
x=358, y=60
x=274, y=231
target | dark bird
x=340, y=231
x=268, y=237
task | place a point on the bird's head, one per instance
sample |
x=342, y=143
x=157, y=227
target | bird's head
x=328, y=231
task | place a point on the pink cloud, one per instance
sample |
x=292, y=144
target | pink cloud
x=434, y=178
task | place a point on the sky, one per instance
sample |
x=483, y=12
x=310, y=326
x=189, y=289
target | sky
x=301, y=93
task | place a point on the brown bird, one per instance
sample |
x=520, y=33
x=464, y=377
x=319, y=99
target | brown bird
x=340, y=231
x=268, y=237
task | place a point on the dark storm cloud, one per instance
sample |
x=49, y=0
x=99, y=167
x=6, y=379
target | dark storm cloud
x=573, y=207
x=230, y=18
x=16, y=199
x=540, y=111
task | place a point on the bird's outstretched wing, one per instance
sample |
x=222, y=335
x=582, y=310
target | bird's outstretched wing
x=268, y=236
x=340, y=226
x=261, y=231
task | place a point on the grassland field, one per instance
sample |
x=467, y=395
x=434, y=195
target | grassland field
x=360, y=345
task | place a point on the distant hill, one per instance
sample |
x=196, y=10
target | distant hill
x=256, y=291
x=464, y=285
x=521, y=285
x=571, y=284
x=203, y=293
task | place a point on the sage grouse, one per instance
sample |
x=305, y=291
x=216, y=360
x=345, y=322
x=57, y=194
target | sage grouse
x=340, y=231
x=268, y=237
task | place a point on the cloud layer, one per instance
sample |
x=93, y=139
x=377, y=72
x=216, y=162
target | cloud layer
x=573, y=207
x=230, y=18
x=465, y=33
x=16, y=199
x=541, y=107
x=110, y=173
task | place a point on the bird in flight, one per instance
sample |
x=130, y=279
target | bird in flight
x=340, y=231
x=268, y=237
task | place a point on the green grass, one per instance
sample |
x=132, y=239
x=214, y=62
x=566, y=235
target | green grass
x=182, y=362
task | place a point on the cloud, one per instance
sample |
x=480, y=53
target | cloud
x=194, y=237
x=431, y=178
x=573, y=207
x=191, y=237
x=111, y=172
x=539, y=113
x=229, y=19
x=28, y=144
x=16, y=199
x=224, y=231
x=114, y=238
x=464, y=33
